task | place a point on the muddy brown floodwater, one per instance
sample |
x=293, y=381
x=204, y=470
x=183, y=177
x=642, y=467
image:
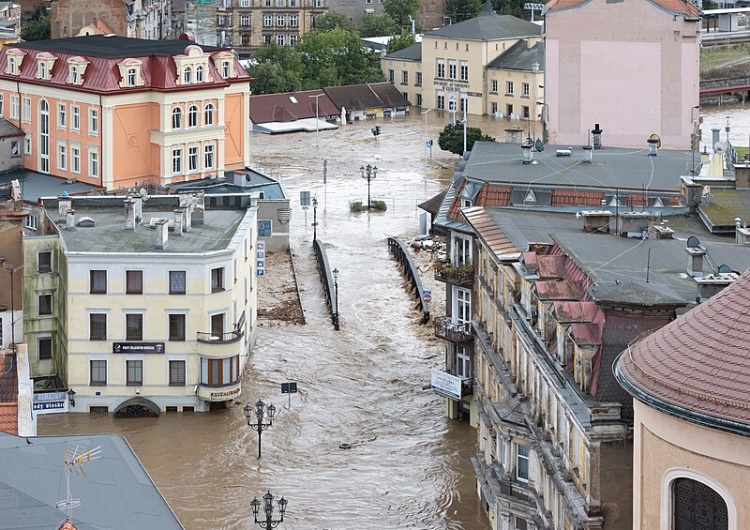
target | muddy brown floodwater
x=408, y=466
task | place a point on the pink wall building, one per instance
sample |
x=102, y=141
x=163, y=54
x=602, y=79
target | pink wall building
x=631, y=67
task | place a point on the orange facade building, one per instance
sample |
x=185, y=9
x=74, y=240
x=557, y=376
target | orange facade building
x=117, y=112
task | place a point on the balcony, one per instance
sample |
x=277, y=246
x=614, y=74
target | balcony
x=220, y=393
x=222, y=338
x=462, y=275
x=450, y=385
x=446, y=329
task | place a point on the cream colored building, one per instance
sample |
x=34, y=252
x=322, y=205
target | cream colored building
x=154, y=300
x=690, y=383
x=461, y=67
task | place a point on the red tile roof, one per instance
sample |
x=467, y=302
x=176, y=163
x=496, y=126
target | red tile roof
x=8, y=394
x=490, y=233
x=673, y=6
x=563, y=197
x=700, y=361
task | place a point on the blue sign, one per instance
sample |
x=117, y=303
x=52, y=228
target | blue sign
x=428, y=143
x=265, y=228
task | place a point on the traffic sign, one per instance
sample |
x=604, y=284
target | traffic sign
x=427, y=296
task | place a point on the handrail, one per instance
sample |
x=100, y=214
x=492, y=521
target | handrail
x=329, y=283
x=401, y=252
x=223, y=338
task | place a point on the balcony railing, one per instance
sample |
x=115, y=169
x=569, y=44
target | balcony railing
x=461, y=275
x=222, y=338
x=446, y=329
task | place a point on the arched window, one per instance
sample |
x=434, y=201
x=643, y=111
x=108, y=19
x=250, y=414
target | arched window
x=74, y=75
x=696, y=505
x=187, y=75
x=193, y=116
x=177, y=118
x=199, y=74
x=209, y=114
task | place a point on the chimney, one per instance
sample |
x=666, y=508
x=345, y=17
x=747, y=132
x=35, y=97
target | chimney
x=741, y=233
x=663, y=231
x=198, y=210
x=696, y=254
x=64, y=203
x=652, y=146
x=129, y=213
x=713, y=284
x=634, y=224
x=527, y=154
x=240, y=178
x=588, y=154
x=162, y=233
x=70, y=220
x=596, y=221
x=597, y=135
x=179, y=220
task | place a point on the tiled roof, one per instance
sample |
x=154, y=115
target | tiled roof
x=683, y=7
x=9, y=418
x=291, y=106
x=412, y=53
x=8, y=379
x=699, y=363
x=575, y=197
x=486, y=27
x=520, y=57
x=389, y=95
x=9, y=130
x=492, y=234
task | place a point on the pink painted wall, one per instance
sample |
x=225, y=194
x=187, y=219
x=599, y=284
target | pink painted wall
x=632, y=67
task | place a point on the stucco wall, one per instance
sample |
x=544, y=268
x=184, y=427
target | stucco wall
x=132, y=156
x=664, y=444
x=69, y=16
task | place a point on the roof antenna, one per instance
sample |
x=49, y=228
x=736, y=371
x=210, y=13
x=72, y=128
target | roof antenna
x=74, y=458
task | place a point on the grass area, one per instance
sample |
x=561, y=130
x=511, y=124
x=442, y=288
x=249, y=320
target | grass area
x=718, y=62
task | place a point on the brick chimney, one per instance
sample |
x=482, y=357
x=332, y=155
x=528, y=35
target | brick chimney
x=70, y=220
x=162, y=233
x=129, y=213
x=179, y=221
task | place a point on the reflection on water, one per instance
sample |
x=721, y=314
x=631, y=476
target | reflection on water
x=408, y=466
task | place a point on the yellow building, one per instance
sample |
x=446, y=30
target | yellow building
x=490, y=64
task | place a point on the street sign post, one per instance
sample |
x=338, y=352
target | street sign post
x=289, y=388
x=427, y=296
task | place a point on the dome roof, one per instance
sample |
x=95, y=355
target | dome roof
x=698, y=366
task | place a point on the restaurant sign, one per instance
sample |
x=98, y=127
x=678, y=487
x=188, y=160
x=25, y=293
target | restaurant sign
x=137, y=347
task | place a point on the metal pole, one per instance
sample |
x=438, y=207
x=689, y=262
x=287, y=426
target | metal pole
x=260, y=436
x=12, y=311
x=368, y=189
x=317, y=118
x=336, y=288
x=315, y=218
x=465, y=109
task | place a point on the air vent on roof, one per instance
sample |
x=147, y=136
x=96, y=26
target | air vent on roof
x=564, y=152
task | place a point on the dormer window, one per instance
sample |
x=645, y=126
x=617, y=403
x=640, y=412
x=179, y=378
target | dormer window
x=191, y=66
x=76, y=70
x=42, y=72
x=74, y=75
x=224, y=63
x=13, y=65
x=45, y=63
x=225, y=69
x=130, y=73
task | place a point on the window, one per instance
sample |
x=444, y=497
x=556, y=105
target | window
x=176, y=373
x=74, y=75
x=93, y=163
x=134, y=371
x=208, y=114
x=26, y=109
x=509, y=88
x=134, y=282
x=521, y=524
x=176, y=160
x=244, y=20
x=62, y=156
x=217, y=325
x=134, y=326
x=245, y=40
x=177, y=118
x=15, y=148
x=526, y=113
x=463, y=306
x=280, y=40
x=97, y=326
x=293, y=39
x=225, y=69
x=508, y=110
x=93, y=121
x=199, y=74
x=12, y=66
x=452, y=69
x=493, y=86
x=280, y=21
x=267, y=21
x=494, y=107
x=217, y=279
x=208, y=156
x=45, y=348
x=44, y=261
x=696, y=505
x=44, y=136
x=391, y=76
x=14, y=107
x=522, y=463
x=45, y=304
x=193, y=116
x=525, y=89
x=132, y=77
x=404, y=77
x=244, y=3
x=463, y=363
x=177, y=282
x=30, y=222
x=98, y=371
x=62, y=115
x=293, y=21
x=177, y=326
x=441, y=68
x=464, y=73
x=192, y=159
x=419, y=100
x=419, y=79
x=440, y=101
x=98, y=282
x=75, y=153
x=187, y=75
x=220, y=372
x=2, y=108
x=76, y=111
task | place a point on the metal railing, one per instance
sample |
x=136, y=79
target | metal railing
x=221, y=338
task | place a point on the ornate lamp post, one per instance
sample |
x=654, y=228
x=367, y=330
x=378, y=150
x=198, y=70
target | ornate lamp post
x=315, y=218
x=369, y=172
x=260, y=411
x=269, y=522
x=336, y=300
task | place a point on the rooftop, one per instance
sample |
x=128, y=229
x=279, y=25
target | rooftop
x=36, y=185
x=487, y=26
x=112, y=47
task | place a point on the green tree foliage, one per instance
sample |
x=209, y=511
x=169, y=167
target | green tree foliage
x=337, y=57
x=277, y=69
x=400, y=10
x=38, y=28
x=460, y=10
x=451, y=138
x=333, y=20
x=377, y=26
x=512, y=7
x=399, y=42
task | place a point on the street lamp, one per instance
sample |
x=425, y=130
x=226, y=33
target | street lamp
x=315, y=218
x=260, y=411
x=336, y=299
x=71, y=399
x=369, y=173
x=269, y=522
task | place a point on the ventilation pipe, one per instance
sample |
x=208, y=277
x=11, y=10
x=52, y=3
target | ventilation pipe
x=597, y=136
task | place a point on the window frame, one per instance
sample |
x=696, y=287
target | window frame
x=133, y=372
x=136, y=286
x=45, y=309
x=171, y=280
x=95, y=276
x=134, y=327
x=101, y=365
x=95, y=325
x=50, y=348
x=178, y=333
x=217, y=280
x=44, y=266
x=176, y=363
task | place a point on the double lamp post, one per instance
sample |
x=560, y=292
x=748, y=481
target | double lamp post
x=369, y=172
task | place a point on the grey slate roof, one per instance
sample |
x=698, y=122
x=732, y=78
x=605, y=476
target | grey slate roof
x=486, y=27
x=412, y=53
x=35, y=185
x=253, y=182
x=520, y=57
x=113, y=46
x=116, y=491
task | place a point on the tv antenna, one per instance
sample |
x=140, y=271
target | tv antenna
x=74, y=458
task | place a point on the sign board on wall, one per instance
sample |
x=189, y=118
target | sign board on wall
x=446, y=384
x=260, y=258
x=50, y=403
x=137, y=347
x=265, y=228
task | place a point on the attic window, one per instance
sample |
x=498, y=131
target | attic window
x=45, y=62
x=13, y=66
x=130, y=73
x=76, y=70
x=292, y=99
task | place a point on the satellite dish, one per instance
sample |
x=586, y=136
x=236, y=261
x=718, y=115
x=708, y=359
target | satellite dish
x=658, y=140
x=539, y=145
x=693, y=242
x=725, y=269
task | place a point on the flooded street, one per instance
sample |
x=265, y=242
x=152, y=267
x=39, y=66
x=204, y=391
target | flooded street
x=408, y=466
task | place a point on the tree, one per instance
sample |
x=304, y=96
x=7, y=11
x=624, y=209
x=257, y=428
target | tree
x=332, y=20
x=337, y=57
x=377, y=25
x=39, y=27
x=277, y=69
x=401, y=10
x=451, y=138
x=460, y=10
x=399, y=42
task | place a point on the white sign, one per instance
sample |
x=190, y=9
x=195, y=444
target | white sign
x=446, y=384
x=50, y=402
